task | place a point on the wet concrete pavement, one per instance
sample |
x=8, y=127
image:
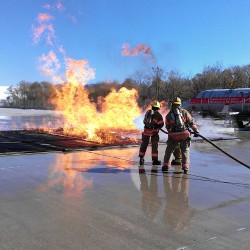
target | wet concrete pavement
x=98, y=200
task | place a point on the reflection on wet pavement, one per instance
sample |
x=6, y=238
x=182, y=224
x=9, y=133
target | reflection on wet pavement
x=177, y=210
x=66, y=171
x=99, y=200
x=70, y=181
x=103, y=193
x=150, y=200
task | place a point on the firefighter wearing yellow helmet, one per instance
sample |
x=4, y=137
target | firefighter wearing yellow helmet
x=153, y=122
x=156, y=104
x=177, y=122
x=176, y=101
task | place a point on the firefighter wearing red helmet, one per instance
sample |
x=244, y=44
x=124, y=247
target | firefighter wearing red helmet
x=177, y=122
x=153, y=122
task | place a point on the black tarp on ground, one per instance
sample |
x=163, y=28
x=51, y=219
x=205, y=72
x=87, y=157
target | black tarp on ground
x=26, y=141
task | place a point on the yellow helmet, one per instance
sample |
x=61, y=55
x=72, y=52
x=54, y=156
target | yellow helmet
x=176, y=101
x=156, y=104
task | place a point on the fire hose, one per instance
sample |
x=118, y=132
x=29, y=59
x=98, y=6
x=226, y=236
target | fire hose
x=207, y=140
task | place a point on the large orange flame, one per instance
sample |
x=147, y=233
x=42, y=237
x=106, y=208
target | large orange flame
x=81, y=117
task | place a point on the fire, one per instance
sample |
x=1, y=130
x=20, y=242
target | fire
x=44, y=17
x=120, y=109
x=44, y=27
x=78, y=72
x=99, y=122
x=140, y=49
x=50, y=64
x=81, y=118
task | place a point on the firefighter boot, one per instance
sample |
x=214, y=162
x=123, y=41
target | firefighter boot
x=141, y=161
x=156, y=162
x=185, y=169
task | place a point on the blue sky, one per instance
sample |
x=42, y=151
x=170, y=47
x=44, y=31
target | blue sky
x=183, y=35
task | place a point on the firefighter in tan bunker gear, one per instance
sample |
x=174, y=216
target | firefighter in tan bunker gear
x=177, y=122
x=153, y=122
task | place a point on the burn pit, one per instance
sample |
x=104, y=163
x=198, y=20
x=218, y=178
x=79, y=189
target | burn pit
x=39, y=141
x=82, y=123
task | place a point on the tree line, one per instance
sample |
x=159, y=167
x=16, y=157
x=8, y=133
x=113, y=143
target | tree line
x=156, y=85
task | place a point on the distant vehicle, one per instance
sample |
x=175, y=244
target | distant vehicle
x=223, y=103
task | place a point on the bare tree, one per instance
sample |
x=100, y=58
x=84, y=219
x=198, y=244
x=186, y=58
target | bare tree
x=157, y=82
